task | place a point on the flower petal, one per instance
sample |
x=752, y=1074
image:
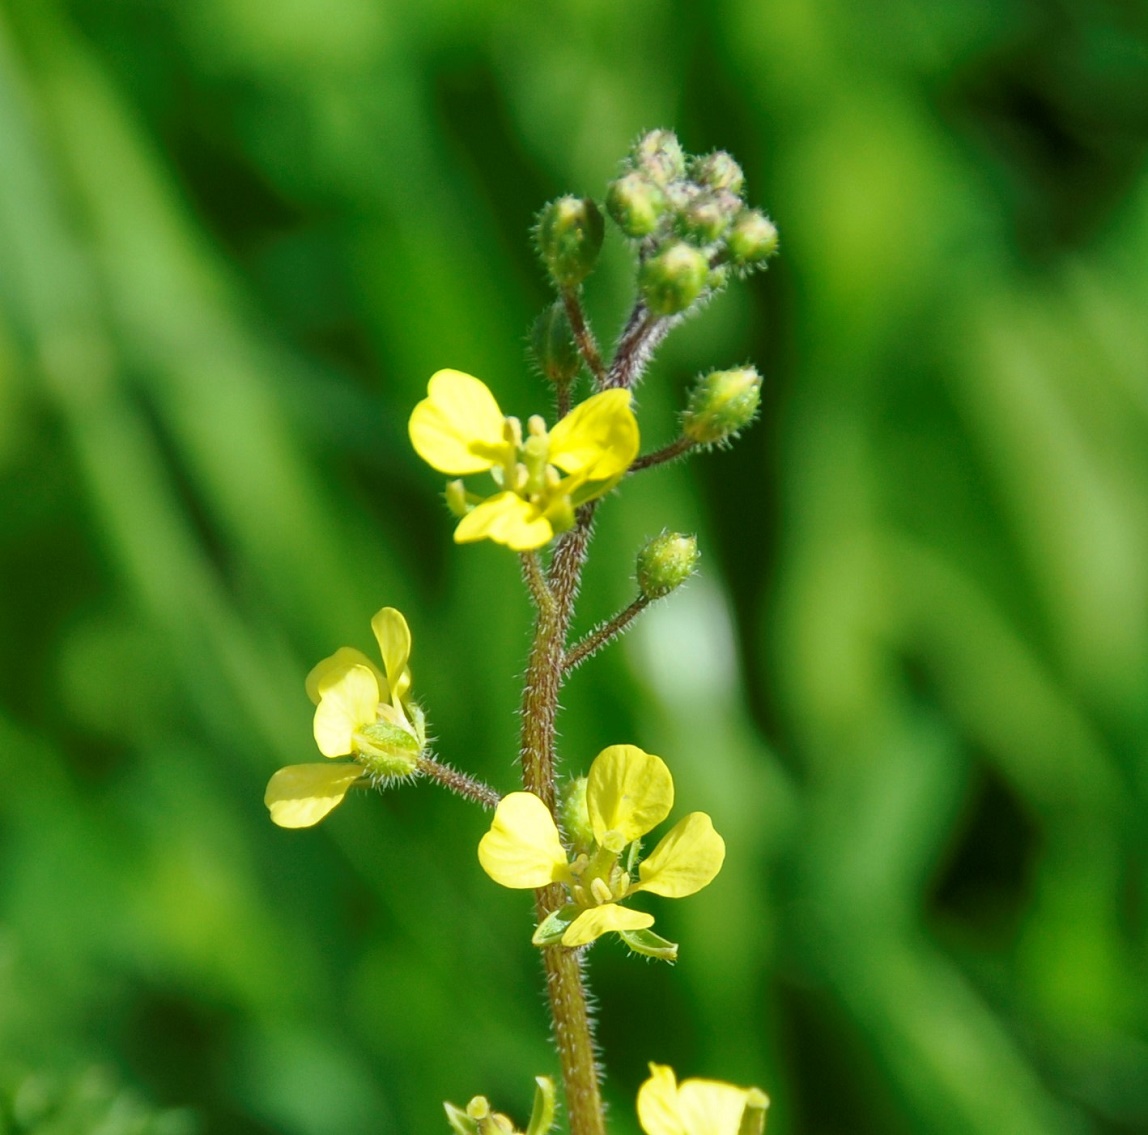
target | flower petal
x=301, y=795
x=506, y=519
x=658, y=1103
x=599, y=920
x=710, y=1107
x=458, y=427
x=598, y=438
x=688, y=858
x=522, y=848
x=344, y=706
x=330, y=670
x=394, y=638
x=628, y=792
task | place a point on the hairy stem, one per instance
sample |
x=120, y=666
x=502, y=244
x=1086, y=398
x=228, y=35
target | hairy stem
x=459, y=782
x=583, y=336
x=670, y=452
x=600, y=636
x=641, y=336
x=573, y=1032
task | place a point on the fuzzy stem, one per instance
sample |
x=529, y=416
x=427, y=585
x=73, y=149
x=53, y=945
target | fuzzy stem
x=573, y=1032
x=459, y=782
x=601, y=635
x=641, y=336
x=583, y=336
x=670, y=452
x=536, y=581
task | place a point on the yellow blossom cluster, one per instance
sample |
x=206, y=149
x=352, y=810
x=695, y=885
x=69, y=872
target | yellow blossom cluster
x=628, y=793
x=541, y=476
x=361, y=712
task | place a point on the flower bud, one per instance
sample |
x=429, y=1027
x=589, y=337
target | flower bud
x=575, y=815
x=717, y=171
x=752, y=238
x=386, y=749
x=553, y=347
x=673, y=279
x=706, y=218
x=636, y=203
x=720, y=404
x=665, y=563
x=658, y=154
x=570, y=232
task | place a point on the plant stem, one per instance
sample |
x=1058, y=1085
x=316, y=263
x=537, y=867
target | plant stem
x=573, y=1032
x=536, y=581
x=459, y=782
x=583, y=336
x=601, y=635
x=641, y=336
x=667, y=453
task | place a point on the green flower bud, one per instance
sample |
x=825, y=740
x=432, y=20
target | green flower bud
x=665, y=563
x=752, y=239
x=658, y=154
x=717, y=171
x=707, y=217
x=385, y=749
x=673, y=279
x=574, y=814
x=636, y=203
x=553, y=347
x=569, y=233
x=460, y=1122
x=720, y=404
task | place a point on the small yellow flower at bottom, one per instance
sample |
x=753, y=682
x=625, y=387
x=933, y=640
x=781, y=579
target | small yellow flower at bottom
x=698, y=1107
x=361, y=712
x=628, y=793
x=541, y=477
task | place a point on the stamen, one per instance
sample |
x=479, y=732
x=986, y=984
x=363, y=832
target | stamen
x=601, y=891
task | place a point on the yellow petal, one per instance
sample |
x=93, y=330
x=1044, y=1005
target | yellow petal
x=522, y=848
x=658, y=1103
x=710, y=1107
x=301, y=795
x=598, y=438
x=599, y=920
x=394, y=638
x=687, y=859
x=458, y=427
x=330, y=670
x=344, y=706
x=506, y=519
x=628, y=792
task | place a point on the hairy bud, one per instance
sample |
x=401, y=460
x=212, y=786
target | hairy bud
x=636, y=203
x=553, y=347
x=717, y=171
x=721, y=403
x=665, y=563
x=658, y=154
x=707, y=217
x=386, y=750
x=673, y=279
x=570, y=233
x=752, y=238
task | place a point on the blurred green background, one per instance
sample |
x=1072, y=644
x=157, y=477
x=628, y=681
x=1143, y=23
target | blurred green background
x=236, y=237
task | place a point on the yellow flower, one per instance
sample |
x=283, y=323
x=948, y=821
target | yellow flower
x=697, y=1107
x=361, y=712
x=459, y=429
x=628, y=793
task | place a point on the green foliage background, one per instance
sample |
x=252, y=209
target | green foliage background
x=236, y=237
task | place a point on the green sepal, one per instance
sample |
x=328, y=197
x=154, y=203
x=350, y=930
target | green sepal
x=753, y=1117
x=460, y=1122
x=542, y=1117
x=650, y=944
x=553, y=926
x=387, y=749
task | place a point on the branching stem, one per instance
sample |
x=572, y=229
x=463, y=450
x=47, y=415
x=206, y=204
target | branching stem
x=671, y=452
x=583, y=335
x=604, y=634
x=459, y=782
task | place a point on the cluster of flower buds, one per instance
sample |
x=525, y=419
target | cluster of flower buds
x=690, y=217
